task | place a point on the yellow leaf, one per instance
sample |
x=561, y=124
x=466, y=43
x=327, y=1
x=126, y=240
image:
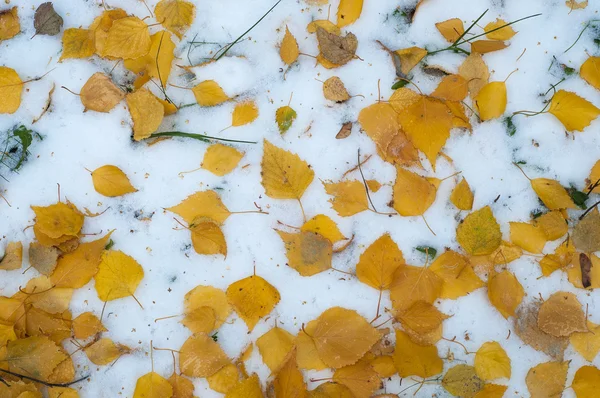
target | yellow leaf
x=289, y=48
x=100, y=94
x=547, y=379
x=415, y=360
x=561, y=315
x=289, y=381
x=157, y=63
x=182, y=386
x=458, y=275
x=248, y=388
x=462, y=196
x=111, y=181
x=421, y=317
x=11, y=88
x=244, y=113
x=574, y=112
x=427, y=123
x=62, y=392
x=587, y=344
x=553, y=224
x=209, y=93
x=285, y=116
x=574, y=269
x=175, y=15
x=487, y=46
x=102, y=25
x=200, y=320
x=325, y=24
x=54, y=326
x=152, y=385
x=360, y=378
x=104, y=351
x=505, y=293
x=324, y=226
x=202, y=204
x=308, y=253
x=118, y=276
x=349, y=197
x=13, y=256
x=47, y=297
x=207, y=296
x=284, y=174
x=377, y=265
x=554, y=195
x=274, y=346
x=412, y=193
x=348, y=12
x=576, y=4
x=491, y=391
x=146, y=111
x=252, y=298
x=491, y=362
x=462, y=381
x=475, y=71
x=128, y=38
x=459, y=117
x=451, y=29
x=409, y=58
x=412, y=284
x=331, y=390
x=307, y=355
x=452, y=88
x=505, y=33
x=590, y=72
x=479, y=233
x=586, y=382
x=402, y=99
x=207, y=237
x=9, y=23
x=225, y=379
x=527, y=236
x=35, y=356
x=77, y=43
x=491, y=100
x=221, y=159
x=595, y=177
x=201, y=356
x=76, y=269
x=380, y=122
x=87, y=325
x=374, y=185
x=561, y=258
x=58, y=219
x=7, y=333
x=342, y=337
x=334, y=90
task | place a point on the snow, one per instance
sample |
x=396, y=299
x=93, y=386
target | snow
x=74, y=141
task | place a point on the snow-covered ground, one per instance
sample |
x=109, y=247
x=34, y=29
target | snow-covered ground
x=74, y=141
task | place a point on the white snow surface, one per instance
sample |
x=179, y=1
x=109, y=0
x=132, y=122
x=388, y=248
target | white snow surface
x=74, y=141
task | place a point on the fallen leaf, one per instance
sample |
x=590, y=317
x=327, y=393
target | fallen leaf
x=58, y=220
x=452, y=88
x=336, y=49
x=289, y=381
x=348, y=12
x=475, y=72
x=576, y=4
x=409, y=58
x=504, y=33
x=77, y=43
x=11, y=89
x=526, y=327
x=201, y=356
x=61, y=392
x=377, y=265
x=360, y=378
x=487, y=46
x=529, y=237
x=155, y=64
x=587, y=344
x=412, y=193
x=574, y=112
x=111, y=181
x=412, y=284
x=202, y=297
x=101, y=25
x=100, y=94
x=175, y=15
x=225, y=379
x=462, y=196
x=248, y=388
x=416, y=360
x=491, y=362
x=285, y=116
x=345, y=131
x=586, y=381
x=553, y=224
x=554, y=195
x=13, y=256
x=561, y=258
x=274, y=347
x=209, y=93
x=207, y=237
x=451, y=29
x=421, y=317
x=334, y=90
x=244, y=113
x=54, y=326
x=146, y=111
x=586, y=234
x=462, y=381
x=308, y=253
x=152, y=385
x=590, y=72
x=35, y=357
x=561, y=315
x=384, y=366
x=118, y=276
x=46, y=21
x=289, y=48
x=128, y=38
x=324, y=226
x=252, y=298
x=331, y=390
x=479, y=234
x=87, y=325
x=325, y=24
x=505, y=293
x=491, y=100
x=547, y=379
x=491, y=391
x=284, y=174
x=457, y=274
x=202, y=204
x=221, y=159
x=595, y=176
x=349, y=197
x=9, y=23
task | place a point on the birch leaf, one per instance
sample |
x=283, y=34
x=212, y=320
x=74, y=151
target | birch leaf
x=111, y=181
x=289, y=48
x=505, y=293
x=209, y=93
x=252, y=298
x=349, y=197
x=377, y=265
x=221, y=159
x=202, y=204
x=11, y=89
x=547, y=379
x=128, y=38
x=152, y=385
x=415, y=360
x=175, y=15
x=100, y=94
x=284, y=174
x=201, y=356
x=574, y=112
x=274, y=347
x=479, y=234
x=491, y=362
x=244, y=113
x=561, y=315
x=118, y=276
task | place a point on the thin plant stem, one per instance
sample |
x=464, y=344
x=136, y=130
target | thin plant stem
x=498, y=28
x=302, y=209
x=581, y=34
x=364, y=181
x=201, y=137
x=47, y=384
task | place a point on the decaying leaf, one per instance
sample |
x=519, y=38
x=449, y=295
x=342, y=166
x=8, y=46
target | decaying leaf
x=345, y=131
x=42, y=258
x=13, y=256
x=252, y=298
x=336, y=49
x=100, y=94
x=35, y=357
x=308, y=252
x=175, y=15
x=77, y=43
x=462, y=381
x=586, y=234
x=526, y=327
x=576, y=4
x=46, y=21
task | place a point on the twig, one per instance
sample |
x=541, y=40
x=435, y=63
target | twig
x=364, y=181
x=47, y=384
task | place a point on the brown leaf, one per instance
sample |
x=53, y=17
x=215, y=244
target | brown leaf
x=336, y=49
x=46, y=20
x=344, y=131
x=586, y=268
x=42, y=258
x=526, y=327
x=586, y=234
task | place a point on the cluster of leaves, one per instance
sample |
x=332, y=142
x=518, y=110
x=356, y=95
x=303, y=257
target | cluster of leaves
x=36, y=320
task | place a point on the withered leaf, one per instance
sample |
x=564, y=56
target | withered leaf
x=561, y=315
x=46, y=20
x=586, y=268
x=526, y=327
x=586, y=234
x=344, y=131
x=337, y=49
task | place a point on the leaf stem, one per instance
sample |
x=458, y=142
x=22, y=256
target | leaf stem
x=200, y=137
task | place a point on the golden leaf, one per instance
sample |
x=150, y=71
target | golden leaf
x=182, y=386
x=47, y=297
x=554, y=195
x=527, y=236
x=360, y=378
x=479, y=234
x=9, y=23
x=7, y=333
x=77, y=268
x=487, y=46
x=561, y=258
x=561, y=315
x=553, y=224
x=146, y=111
x=590, y=72
x=491, y=391
x=595, y=177
x=200, y=320
x=62, y=392
x=491, y=362
x=248, y=388
x=451, y=29
x=207, y=296
x=13, y=256
x=412, y=193
x=491, y=100
x=157, y=63
x=221, y=159
x=289, y=381
x=209, y=93
x=102, y=25
x=325, y=24
x=587, y=344
x=409, y=58
x=244, y=113
x=54, y=326
x=462, y=196
x=462, y=381
x=421, y=317
x=415, y=360
x=77, y=43
x=456, y=272
x=574, y=112
x=348, y=12
x=11, y=88
x=377, y=265
x=285, y=116
x=475, y=71
x=452, y=88
x=402, y=99
x=334, y=90
x=87, y=325
x=35, y=356
x=547, y=379
x=505, y=33
x=111, y=181
x=289, y=48
x=201, y=356
x=576, y=4
x=152, y=385
x=202, y=204
x=58, y=219
x=342, y=337
x=427, y=123
x=349, y=197
x=505, y=293
x=225, y=379
x=207, y=237
x=331, y=390
x=308, y=253
x=284, y=174
x=412, y=284
x=128, y=38
x=252, y=298
x=324, y=226
x=118, y=276
x=274, y=346
x=175, y=15
x=586, y=382
x=100, y=94
x=307, y=355
x=104, y=351
x=574, y=269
